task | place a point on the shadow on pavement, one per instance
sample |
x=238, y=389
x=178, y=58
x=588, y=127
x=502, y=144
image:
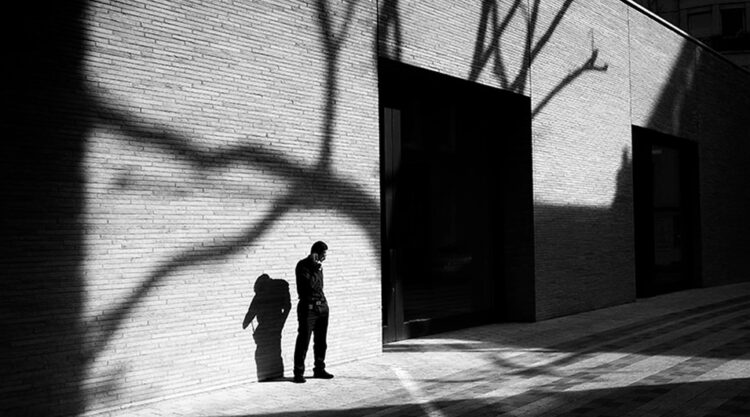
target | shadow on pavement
x=721, y=398
x=687, y=325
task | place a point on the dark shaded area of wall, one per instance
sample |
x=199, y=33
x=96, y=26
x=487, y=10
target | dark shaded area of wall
x=706, y=102
x=43, y=349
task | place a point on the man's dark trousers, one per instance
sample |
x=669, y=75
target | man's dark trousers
x=315, y=323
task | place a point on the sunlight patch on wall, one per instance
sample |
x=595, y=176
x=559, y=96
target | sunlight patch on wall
x=594, y=180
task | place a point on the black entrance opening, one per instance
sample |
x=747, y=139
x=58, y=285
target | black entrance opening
x=665, y=186
x=456, y=188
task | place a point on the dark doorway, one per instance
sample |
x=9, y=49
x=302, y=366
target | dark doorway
x=448, y=145
x=665, y=171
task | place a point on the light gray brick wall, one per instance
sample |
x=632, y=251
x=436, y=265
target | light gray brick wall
x=221, y=140
x=459, y=39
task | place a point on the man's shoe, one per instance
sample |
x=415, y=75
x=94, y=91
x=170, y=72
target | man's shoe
x=322, y=374
x=299, y=379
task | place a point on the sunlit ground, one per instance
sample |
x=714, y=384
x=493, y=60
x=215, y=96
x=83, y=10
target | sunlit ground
x=684, y=354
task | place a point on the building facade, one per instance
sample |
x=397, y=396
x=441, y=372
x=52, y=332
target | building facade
x=466, y=163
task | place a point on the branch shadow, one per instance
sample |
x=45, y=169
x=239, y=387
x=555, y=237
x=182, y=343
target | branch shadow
x=55, y=109
x=488, y=53
x=488, y=47
x=320, y=178
x=350, y=199
x=389, y=30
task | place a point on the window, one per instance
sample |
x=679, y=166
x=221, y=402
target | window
x=732, y=20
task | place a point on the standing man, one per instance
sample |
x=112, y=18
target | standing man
x=312, y=313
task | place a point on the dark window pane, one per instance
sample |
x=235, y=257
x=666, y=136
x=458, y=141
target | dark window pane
x=732, y=21
x=666, y=168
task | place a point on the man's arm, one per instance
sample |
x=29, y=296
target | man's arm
x=303, y=282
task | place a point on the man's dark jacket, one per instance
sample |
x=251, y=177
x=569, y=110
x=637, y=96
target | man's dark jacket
x=310, y=282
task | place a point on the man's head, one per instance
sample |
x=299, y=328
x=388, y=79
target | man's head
x=318, y=252
x=261, y=282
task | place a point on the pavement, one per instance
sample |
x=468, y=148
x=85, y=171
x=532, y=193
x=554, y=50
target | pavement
x=682, y=354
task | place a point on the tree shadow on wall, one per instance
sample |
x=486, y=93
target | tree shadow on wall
x=589, y=228
x=518, y=229
x=350, y=199
x=51, y=345
x=389, y=32
x=318, y=179
x=270, y=308
x=488, y=51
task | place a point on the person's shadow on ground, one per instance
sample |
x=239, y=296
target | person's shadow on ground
x=270, y=307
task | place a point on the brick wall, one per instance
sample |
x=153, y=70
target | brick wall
x=684, y=90
x=208, y=143
x=592, y=70
x=464, y=40
x=582, y=157
x=570, y=58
